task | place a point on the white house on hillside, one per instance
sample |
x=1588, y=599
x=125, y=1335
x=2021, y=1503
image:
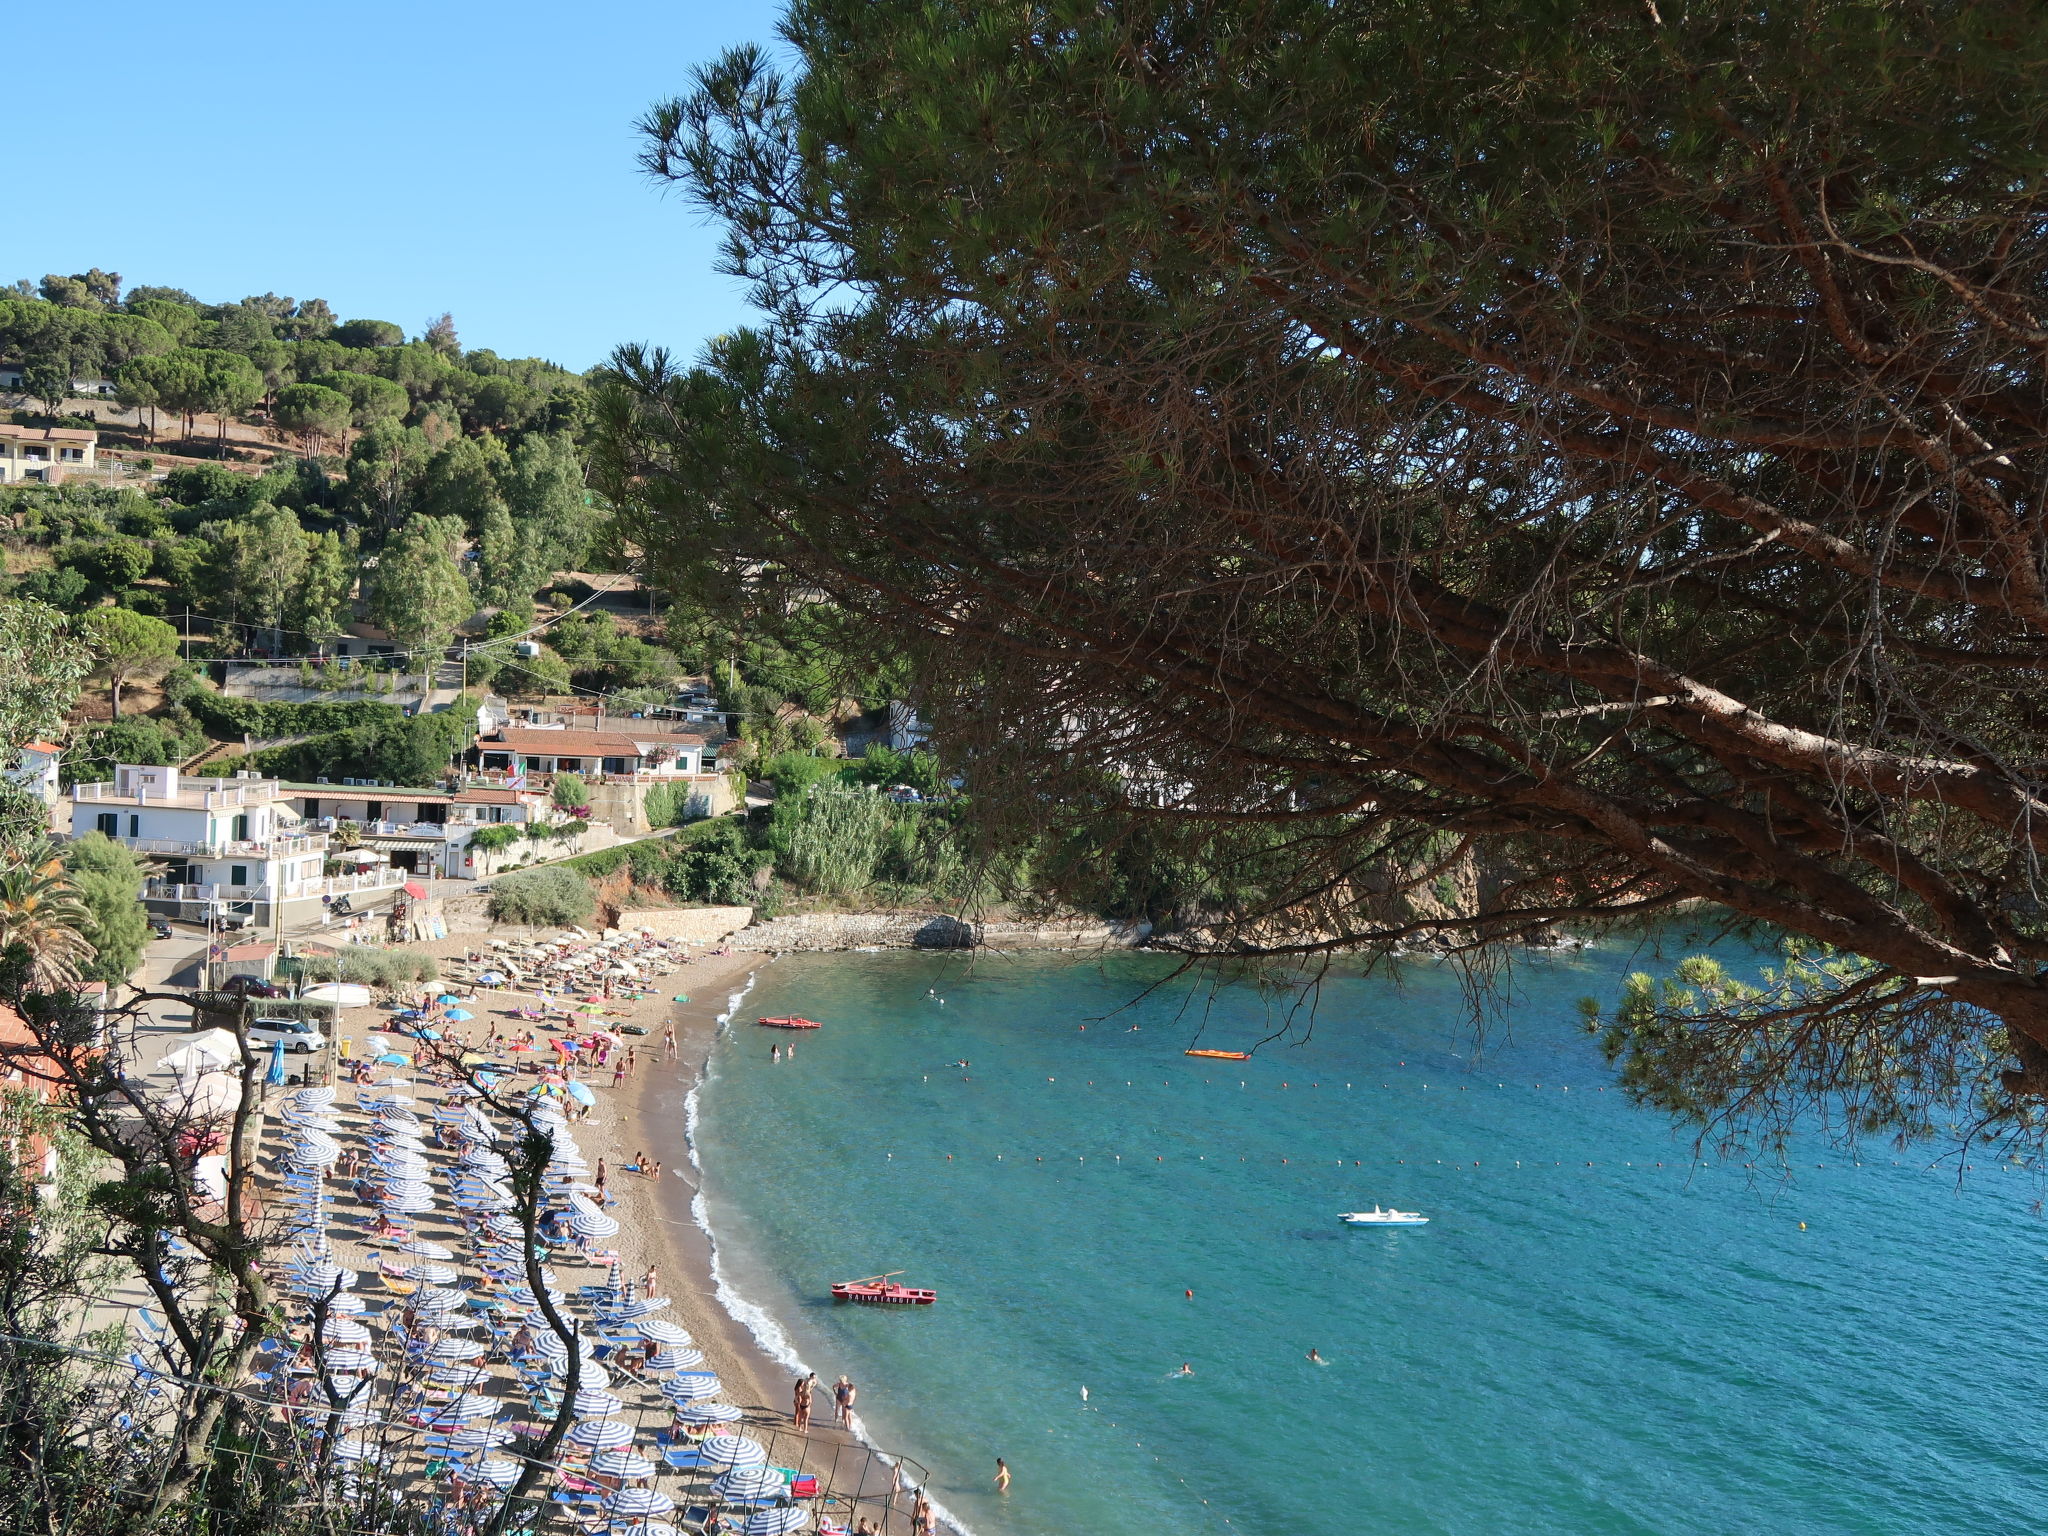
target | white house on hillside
x=232, y=846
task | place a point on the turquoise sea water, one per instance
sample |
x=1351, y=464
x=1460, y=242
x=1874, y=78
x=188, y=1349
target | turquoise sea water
x=1593, y=1335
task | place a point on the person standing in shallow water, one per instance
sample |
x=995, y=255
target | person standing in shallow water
x=1002, y=1475
x=843, y=1393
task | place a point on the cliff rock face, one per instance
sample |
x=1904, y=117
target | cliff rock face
x=932, y=930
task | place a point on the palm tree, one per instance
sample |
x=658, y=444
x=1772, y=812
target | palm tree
x=39, y=908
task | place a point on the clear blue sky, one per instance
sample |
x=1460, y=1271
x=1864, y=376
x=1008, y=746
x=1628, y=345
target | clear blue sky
x=395, y=159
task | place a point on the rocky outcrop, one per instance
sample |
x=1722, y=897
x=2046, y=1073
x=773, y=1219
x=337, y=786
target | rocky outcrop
x=820, y=931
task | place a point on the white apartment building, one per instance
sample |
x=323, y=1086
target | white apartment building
x=232, y=847
x=420, y=831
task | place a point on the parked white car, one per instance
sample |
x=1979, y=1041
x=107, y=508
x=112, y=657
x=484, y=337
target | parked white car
x=301, y=1037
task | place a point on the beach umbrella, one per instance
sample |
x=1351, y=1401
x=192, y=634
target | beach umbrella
x=350, y=1357
x=355, y=1448
x=580, y=1092
x=601, y=1434
x=646, y=1306
x=426, y=1250
x=457, y=1349
x=708, y=1413
x=313, y=1098
x=729, y=1452
x=471, y=1405
x=594, y=1225
x=497, y=1472
x=319, y=1276
x=749, y=1483
x=677, y=1357
x=480, y=1437
x=622, y=1464
x=439, y=1299
x=594, y=1404
x=344, y=1330
x=346, y=1303
x=638, y=1503
x=459, y=1015
x=391, y=1059
x=275, y=1076
x=775, y=1522
x=662, y=1331
x=432, y=1274
x=504, y=1226
x=407, y=1202
x=692, y=1387
x=448, y=999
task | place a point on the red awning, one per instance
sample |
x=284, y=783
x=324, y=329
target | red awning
x=415, y=890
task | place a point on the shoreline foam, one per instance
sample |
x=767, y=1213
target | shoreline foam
x=769, y=1338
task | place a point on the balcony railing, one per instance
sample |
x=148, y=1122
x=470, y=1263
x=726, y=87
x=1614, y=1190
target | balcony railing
x=231, y=848
x=382, y=879
x=222, y=795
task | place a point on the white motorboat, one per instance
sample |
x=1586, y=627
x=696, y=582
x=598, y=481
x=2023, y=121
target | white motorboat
x=1387, y=1218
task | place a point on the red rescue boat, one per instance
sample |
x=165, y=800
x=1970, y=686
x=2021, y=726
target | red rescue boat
x=791, y=1022
x=881, y=1291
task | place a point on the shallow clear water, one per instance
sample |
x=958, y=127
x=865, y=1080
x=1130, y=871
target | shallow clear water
x=1593, y=1334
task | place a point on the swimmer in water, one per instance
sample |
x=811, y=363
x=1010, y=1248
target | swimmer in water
x=1185, y=1370
x=1316, y=1359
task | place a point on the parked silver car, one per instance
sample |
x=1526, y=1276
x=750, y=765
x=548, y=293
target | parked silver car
x=301, y=1037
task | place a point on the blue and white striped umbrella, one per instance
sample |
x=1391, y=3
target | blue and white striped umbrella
x=708, y=1413
x=676, y=1360
x=775, y=1522
x=497, y=1472
x=625, y=1465
x=692, y=1387
x=479, y=1437
x=750, y=1483
x=432, y=1274
x=469, y=1406
x=350, y=1358
x=731, y=1451
x=662, y=1331
x=427, y=1250
x=638, y=1503
x=406, y=1203
x=344, y=1330
x=601, y=1434
x=435, y=1298
x=594, y=1403
x=355, y=1448
x=312, y=1279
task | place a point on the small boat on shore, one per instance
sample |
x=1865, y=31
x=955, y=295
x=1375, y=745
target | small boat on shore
x=1387, y=1218
x=790, y=1022
x=882, y=1291
x=1222, y=1055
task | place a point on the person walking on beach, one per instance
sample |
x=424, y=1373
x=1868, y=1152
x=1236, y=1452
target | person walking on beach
x=602, y=1197
x=920, y=1513
x=668, y=1042
x=632, y=1053
x=843, y=1392
x=619, y=1072
x=648, y=1283
x=1002, y=1475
